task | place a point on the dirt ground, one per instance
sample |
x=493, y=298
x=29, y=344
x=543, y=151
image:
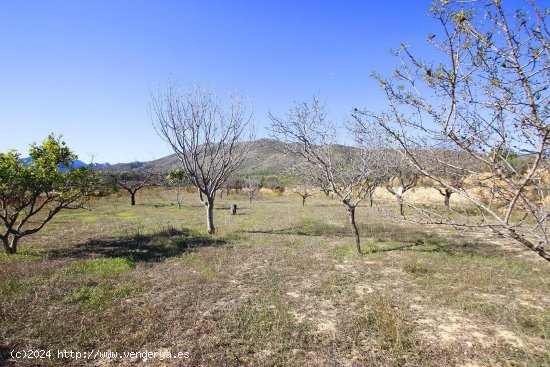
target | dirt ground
x=278, y=285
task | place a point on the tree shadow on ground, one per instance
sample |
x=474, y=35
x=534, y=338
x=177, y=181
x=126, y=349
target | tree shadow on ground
x=392, y=238
x=298, y=231
x=431, y=244
x=466, y=248
x=5, y=355
x=161, y=205
x=140, y=248
x=313, y=229
x=400, y=247
x=270, y=231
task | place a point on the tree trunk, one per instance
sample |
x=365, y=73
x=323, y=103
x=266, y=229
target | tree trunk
x=371, y=199
x=178, y=199
x=10, y=247
x=303, y=200
x=355, y=231
x=448, y=199
x=210, y=216
x=6, y=245
x=250, y=197
x=399, y=196
x=400, y=204
x=133, y=198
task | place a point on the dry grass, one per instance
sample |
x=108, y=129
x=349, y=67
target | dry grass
x=279, y=285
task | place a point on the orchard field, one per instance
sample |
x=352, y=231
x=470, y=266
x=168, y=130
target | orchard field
x=278, y=285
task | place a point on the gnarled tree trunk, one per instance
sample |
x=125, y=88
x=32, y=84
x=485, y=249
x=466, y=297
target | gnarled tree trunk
x=132, y=197
x=179, y=199
x=447, y=195
x=209, y=204
x=371, y=199
x=10, y=245
x=354, y=230
x=400, y=205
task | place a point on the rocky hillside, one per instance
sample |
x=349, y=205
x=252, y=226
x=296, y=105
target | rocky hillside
x=266, y=157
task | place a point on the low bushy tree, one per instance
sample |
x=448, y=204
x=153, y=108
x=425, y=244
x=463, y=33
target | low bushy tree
x=33, y=191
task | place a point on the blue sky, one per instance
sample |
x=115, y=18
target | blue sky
x=85, y=69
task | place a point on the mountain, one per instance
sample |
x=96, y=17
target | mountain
x=121, y=167
x=76, y=163
x=265, y=157
x=100, y=165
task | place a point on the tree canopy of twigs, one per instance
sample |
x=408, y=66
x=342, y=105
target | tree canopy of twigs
x=209, y=135
x=487, y=97
x=133, y=181
x=306, y=181
x=177, y=178
x=252, y=185
x=402, y=177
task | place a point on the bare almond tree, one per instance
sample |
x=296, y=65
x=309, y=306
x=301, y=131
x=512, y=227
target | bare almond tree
x=324, y=186
x=233, y=183
x=305, y=189
x=487, y=98
x=312, y=136
x=307, y=182
x=177, y=178
x=252, y=186
x=208, y=134
x=455, y=170
x=402, y=177
x=133, y=181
